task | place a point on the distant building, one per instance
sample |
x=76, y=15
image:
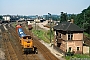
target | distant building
x=6, y=17
x=14, y=18
x=69, y=37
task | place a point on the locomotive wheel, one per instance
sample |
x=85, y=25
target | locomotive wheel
x=36, y=51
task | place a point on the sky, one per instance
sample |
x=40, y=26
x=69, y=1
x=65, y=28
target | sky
x=42, y=7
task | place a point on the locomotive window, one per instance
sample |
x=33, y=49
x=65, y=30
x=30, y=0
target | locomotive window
x=29, y=37
x=60, y=35
x=24, y=37
x=28, y=42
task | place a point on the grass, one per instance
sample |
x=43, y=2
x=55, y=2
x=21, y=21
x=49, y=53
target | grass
x=81, y=56
x=43, y=35
x=77, y=56
x=40, y=34
x=48, y=35
x=14, y=24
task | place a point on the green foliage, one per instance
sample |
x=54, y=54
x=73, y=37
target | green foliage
x=45, y=36
x=69, y=53
x=63, y=17
x=14, y=24
x=81, y=56
x=82, y=19
x=47, y=17
x=52, y=34
x=54, y=17
x=1, y=18
x=88, y=35
x=41, y=35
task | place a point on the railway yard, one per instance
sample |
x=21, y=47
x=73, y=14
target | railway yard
x=13, y=50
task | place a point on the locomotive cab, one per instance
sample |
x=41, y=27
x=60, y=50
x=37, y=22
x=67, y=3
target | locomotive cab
x=28, y=44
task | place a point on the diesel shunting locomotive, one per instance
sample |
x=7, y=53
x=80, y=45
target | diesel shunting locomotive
x=26, y=41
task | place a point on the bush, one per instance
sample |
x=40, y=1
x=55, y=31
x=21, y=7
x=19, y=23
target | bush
x=69, y=53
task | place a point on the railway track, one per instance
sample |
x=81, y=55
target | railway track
x=25, y=56
x=9, y=49
x=44, y=51
x=15, y=42
x=31, y=57
x=13, y=49
x=7, y=45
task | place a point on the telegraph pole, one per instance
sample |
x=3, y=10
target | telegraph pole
x=35, y=24
x=50, y=26
x=35, y=21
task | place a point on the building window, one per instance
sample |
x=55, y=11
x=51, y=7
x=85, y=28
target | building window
x=60, y=35
x=70, y=36
x=69, y=49
x=56, y=33
x=78, y=48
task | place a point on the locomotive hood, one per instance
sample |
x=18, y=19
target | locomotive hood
x=21, y=32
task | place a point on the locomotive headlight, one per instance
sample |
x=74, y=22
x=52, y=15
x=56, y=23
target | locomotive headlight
x=28, y=45
x=28, y=42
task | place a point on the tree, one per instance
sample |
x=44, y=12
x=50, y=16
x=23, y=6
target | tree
x=83, y=19
x=1, y=18
x=63, y=17
x=80, y=19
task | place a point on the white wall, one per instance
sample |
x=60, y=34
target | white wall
x=6, y=18
x=85, y=50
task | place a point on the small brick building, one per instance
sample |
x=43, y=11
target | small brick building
x=69, y=37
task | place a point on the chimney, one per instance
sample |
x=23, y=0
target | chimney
x=68, y=20
x=72, y=21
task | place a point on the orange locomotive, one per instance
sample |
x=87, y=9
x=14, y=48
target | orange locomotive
x=26, y=41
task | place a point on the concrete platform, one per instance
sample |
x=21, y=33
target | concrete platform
x=53, y=51
x=2, y=55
